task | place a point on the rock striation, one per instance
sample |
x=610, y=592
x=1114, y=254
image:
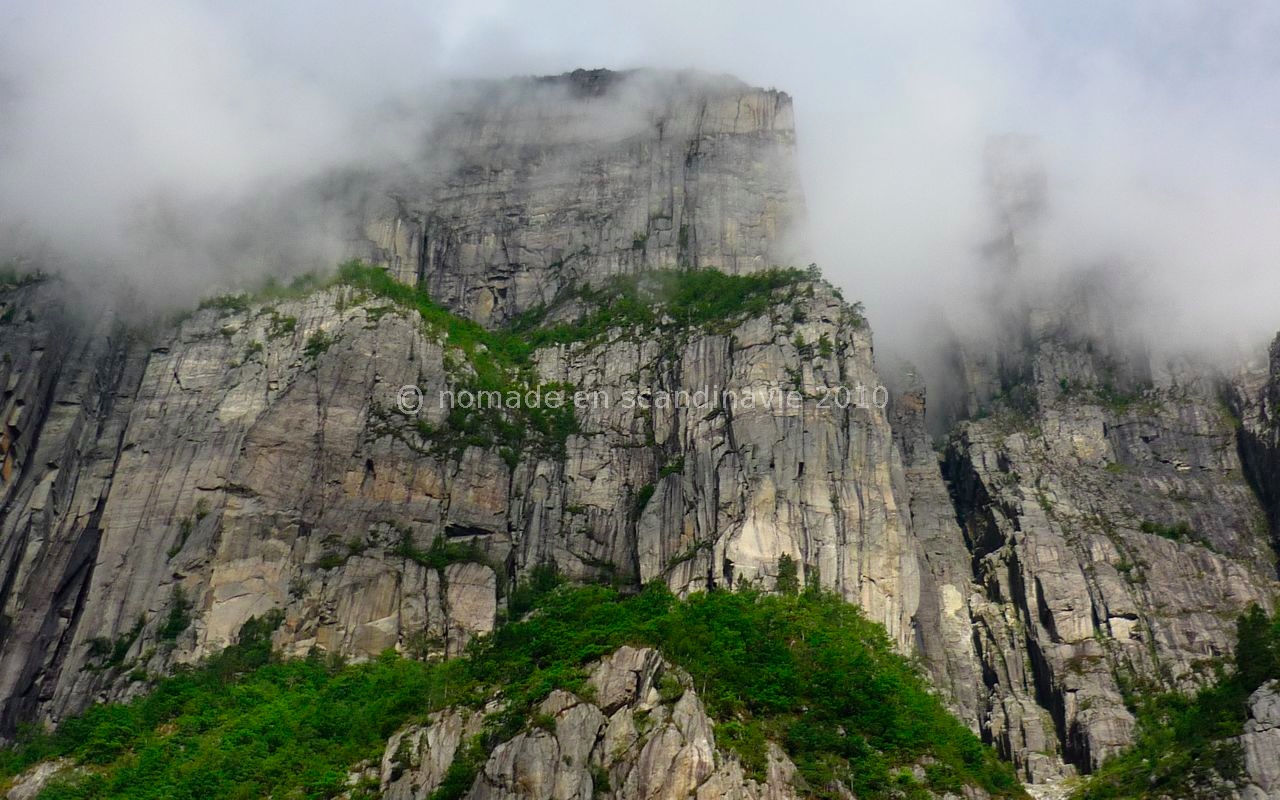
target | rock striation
x=531, y=187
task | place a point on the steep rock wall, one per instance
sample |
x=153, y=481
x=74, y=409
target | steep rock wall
x=535, y=186
x=252, y=470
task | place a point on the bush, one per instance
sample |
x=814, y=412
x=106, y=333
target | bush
x=179, y=617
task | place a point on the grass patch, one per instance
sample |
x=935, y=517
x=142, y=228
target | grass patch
x=665, y=300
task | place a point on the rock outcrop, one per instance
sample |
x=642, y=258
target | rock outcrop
x=1112, y=535
x=640, y=732
x=1261, y=744
x=1255, y=399
x=254, y=471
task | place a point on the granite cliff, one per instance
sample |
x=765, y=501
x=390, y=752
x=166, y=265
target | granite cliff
x=1090, y=528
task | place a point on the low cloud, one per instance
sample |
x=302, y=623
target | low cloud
x=180, y=145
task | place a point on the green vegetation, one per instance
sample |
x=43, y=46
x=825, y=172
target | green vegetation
x=270, y=291
x=1186, y=745
x=641, y=500
x=1116, y=400
x=1178, y=531
x=317, y=344
x=673, y=467
x=112, y=652
x=491, y=365
x=280, y=325
x=179, y=617
x=807, y=671
x=788, y=575
x=669, y=300
x=442, y=552
x=825, y=347
x=13, y=275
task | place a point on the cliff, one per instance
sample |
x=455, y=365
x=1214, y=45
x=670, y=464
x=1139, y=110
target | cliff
x=1089, y=533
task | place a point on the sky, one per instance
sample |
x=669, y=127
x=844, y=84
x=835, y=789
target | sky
x=1155, y=125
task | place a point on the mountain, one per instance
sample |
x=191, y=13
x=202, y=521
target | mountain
x=1085, y=536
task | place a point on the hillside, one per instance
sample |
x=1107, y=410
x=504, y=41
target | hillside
x=798, y=686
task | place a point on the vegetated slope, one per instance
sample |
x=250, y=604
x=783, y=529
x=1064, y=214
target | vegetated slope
x=807, y=671
x=1190, y=746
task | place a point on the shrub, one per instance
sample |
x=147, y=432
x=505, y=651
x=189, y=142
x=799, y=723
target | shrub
x=317, y=344
x=788, y=575
x=641, y=500
x=179, y=617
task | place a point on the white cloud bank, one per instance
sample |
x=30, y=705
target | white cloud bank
x=1156, y=125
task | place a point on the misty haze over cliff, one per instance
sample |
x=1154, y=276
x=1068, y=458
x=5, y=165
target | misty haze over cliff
x=174, y=144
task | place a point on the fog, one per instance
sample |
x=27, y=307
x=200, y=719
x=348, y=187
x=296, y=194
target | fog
x=163, y=144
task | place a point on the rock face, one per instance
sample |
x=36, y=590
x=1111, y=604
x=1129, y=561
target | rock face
x=1091, y=532
x=644, y=734
x=253, y=472
x=1113, y=539
x=1261, y=744
x=1255, y=398
x=534, y=186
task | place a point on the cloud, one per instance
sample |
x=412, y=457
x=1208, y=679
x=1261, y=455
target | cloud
x=139, y=139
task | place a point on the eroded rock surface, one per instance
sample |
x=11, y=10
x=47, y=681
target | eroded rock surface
x=644, y=734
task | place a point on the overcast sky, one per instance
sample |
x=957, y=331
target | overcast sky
x=1157, y=122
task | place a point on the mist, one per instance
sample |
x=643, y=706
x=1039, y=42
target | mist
x=177, y=146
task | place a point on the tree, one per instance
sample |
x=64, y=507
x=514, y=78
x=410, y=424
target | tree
x=788, y=575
